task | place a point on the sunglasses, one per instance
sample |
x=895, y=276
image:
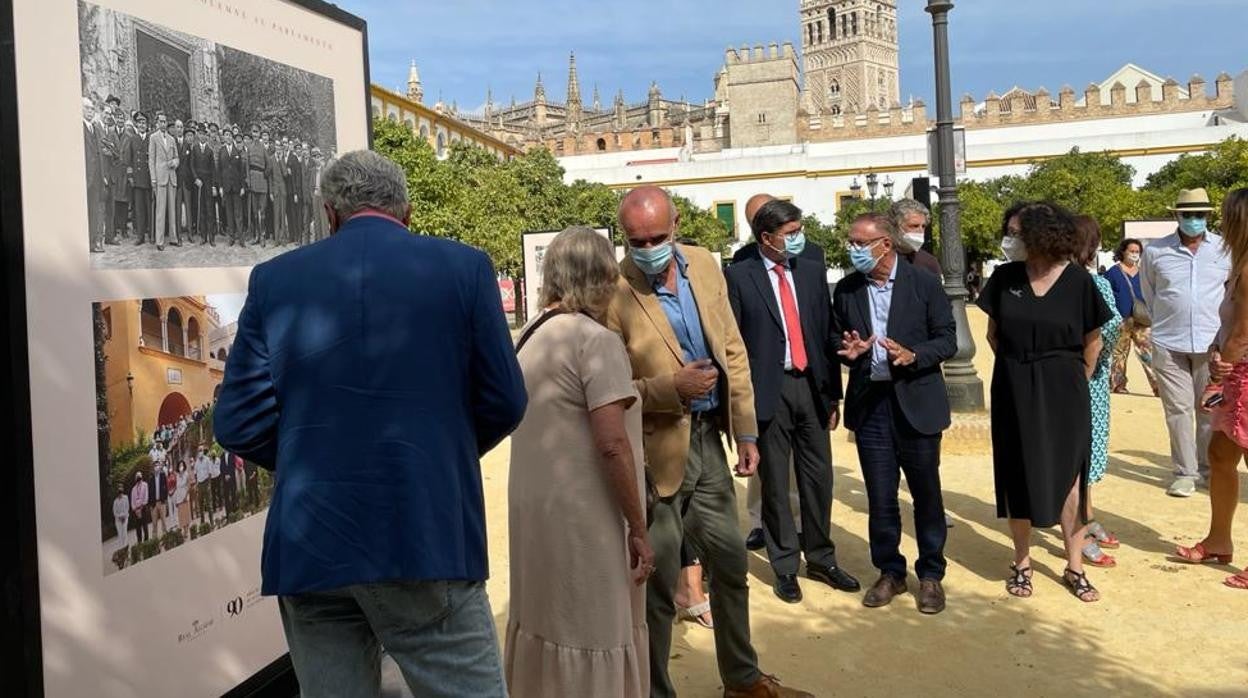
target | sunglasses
x=1194, y=214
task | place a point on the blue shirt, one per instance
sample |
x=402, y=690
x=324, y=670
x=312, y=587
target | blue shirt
x=770, y=266
x=1126, y=289
x=881, y=300
x=682, y=312
x=1183, y=291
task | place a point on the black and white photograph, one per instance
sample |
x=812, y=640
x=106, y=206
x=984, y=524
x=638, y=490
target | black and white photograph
x=197, y=154
x=164, y=481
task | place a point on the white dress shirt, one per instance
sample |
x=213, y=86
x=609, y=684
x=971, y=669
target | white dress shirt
x=775, y=289
x=1183, y=291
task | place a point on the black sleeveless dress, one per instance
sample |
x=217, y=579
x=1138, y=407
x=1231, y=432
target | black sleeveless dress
x=1041, y=411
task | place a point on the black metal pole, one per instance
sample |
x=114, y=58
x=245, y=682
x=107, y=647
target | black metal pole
x=966, y=390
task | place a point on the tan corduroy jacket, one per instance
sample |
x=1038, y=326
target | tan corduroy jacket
x=636, y=315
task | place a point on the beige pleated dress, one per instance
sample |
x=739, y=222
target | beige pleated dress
x=577, y=624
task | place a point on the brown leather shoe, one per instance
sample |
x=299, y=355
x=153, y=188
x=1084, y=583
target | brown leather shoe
x=931, y=596
x=767, y=686
x=882, y=592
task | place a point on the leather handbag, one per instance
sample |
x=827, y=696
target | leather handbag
x=1140, y=315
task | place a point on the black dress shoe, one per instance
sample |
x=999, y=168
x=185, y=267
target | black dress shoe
x=834, y=577
x=787, y=589
x=755, y=540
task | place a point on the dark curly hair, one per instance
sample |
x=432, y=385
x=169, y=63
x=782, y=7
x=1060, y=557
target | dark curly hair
x=1010, y=213
x=1049, y=230
x=1120, y=252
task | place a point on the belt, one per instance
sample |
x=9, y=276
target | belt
x=253, y=168
x=1031, y=357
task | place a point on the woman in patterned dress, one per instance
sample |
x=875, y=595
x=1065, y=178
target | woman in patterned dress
x=1097, y=537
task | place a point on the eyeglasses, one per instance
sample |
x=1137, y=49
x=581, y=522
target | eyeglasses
x=791, y=234
x=865, y=244
x=1194, y=214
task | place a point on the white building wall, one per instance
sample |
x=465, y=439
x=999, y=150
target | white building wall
x=815, y=173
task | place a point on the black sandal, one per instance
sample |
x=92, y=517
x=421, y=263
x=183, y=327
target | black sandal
x=1079, y=585
x=1019, y=584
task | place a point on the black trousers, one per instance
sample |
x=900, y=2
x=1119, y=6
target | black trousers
x=121, y=215
x=233, y=219
x=796, y=429
x=887, y=447
x=142, y=200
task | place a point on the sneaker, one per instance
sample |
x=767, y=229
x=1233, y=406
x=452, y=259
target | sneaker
x=1183, y=486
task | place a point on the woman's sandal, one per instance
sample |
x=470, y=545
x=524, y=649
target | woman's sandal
x=1198, y=555
x=1019, y=583
x=1079, y=585
x=1106, y=539
x=699, y=613
x=1093, y=555
x=1237, y=581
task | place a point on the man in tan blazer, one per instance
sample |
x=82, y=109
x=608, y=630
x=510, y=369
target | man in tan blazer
x=162, y=155
x=690, y=367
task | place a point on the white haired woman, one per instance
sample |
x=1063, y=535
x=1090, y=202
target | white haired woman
x=579, y=548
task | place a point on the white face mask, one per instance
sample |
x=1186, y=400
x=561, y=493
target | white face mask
x=1133, y=257
x=916, y=239
x=1013, y=248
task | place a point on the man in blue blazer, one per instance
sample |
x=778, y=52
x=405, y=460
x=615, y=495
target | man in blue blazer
x=370, y=372
x=898, y=329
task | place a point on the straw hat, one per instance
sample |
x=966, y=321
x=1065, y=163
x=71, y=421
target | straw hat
x=1192, y=200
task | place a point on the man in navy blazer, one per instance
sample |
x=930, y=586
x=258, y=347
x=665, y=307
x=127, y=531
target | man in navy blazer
x=898, y=328
x=370, y=372
x=783, y=308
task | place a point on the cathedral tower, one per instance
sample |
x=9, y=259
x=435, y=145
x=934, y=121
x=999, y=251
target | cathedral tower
x=415, y=92
x=849, y=55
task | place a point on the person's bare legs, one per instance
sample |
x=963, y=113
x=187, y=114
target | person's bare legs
x=1224, y=457
x=1073, y=532
x=689, y=591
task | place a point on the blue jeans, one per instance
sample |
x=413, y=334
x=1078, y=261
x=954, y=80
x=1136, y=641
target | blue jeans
x=440, y=633
x=887, y=447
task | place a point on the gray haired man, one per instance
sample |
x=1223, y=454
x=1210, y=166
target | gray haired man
x=909, y=233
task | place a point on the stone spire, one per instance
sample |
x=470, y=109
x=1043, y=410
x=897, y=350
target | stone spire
x=415, y=92
x=539, y=103
x=574, y=92
x=539, y=90
x=597, y=101
x=489, y=102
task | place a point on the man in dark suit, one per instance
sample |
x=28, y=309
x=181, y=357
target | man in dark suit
x=782, y=306
x=296, y=197
x=232, y=176
x=118, y=199
x=229, y=482
x=95, y=175
x=185, y=135
x=897, y=328
x=158, y=486
x=377, y=517
x=138, y=165
x=203, y=187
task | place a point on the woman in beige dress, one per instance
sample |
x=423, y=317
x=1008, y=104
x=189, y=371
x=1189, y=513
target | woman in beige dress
x=579, y=551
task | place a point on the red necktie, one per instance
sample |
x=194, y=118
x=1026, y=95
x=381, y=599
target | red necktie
x=791, y=322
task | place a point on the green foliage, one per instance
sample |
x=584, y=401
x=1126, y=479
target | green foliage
x=172, y=539
x=1094, y=184
x=1220, y=170
x=284, y=100
x=473, y=197
x=829, y=237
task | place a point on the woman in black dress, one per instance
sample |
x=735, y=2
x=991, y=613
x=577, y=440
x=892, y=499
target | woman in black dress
x=1045, y=318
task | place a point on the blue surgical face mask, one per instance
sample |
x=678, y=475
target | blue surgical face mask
x=652, y=260
x=861, y=257
x=1194, y=227
x=794, y=245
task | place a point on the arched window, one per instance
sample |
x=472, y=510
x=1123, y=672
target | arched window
x=222, y=354
x=410, y=126
x=844, y=25
x=391, y=117
x=810, y=34
x=193, y=340
x=150, y=325
x=173, y=325
x=602, y=144
x=853, y=22
x=832, y=23
x=424, y=133
x=376, y=112
x=441, y=148
x=835, y=89
x=819, y=30
x=836, y=110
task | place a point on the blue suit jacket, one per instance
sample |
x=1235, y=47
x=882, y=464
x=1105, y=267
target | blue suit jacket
x=370, y=372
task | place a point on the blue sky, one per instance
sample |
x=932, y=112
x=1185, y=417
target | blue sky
x=464, y=46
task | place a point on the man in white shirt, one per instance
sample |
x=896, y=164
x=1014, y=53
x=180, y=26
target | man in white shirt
x=214, y=473
x=203, y=473
x=1183, y=278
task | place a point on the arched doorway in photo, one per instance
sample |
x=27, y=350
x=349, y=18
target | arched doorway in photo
x=173, y=408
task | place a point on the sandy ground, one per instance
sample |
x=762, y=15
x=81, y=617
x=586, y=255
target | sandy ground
x=1162, y=628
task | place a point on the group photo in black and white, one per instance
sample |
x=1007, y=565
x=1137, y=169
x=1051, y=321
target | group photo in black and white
x=196, y=154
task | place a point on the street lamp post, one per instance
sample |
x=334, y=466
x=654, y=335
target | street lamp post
x=966, y=390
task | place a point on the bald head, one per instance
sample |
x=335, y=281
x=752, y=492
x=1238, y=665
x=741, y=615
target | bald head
x=751, y=207
x=648, y=216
